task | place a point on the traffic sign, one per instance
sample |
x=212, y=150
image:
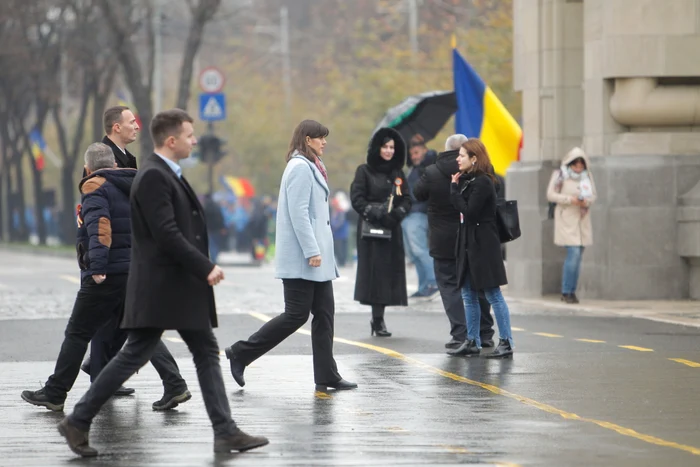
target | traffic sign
x=211, y=80
x=212, y=107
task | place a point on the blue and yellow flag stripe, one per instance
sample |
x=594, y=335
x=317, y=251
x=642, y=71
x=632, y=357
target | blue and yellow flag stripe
x=481, y=115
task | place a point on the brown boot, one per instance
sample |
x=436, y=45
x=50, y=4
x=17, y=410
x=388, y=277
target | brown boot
x=77, y=439
x=239, y=441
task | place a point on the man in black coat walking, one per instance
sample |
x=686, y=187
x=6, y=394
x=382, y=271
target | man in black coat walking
x=121, y=129
x=104, y=252
x=169, y=287
x=443, y=221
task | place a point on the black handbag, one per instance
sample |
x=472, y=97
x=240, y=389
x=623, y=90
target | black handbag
x=370, y=230
x=507, y=220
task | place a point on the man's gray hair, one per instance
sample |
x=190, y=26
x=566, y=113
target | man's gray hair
x=454, y=142
x=99, y=156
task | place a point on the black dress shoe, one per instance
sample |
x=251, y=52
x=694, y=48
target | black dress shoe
x=237, y=368
x=122, y=391
x=467, y=349
x=341, y=385
x=454, y=343
x=239, y=441
x=487, y=343
x=78, y=440
x=503, y=350
x=170, y=401
x=378, y=327
x=42, y=400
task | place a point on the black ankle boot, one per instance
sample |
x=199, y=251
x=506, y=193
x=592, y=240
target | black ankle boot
x=378, y=327
x=468, y=349
x=502, y=351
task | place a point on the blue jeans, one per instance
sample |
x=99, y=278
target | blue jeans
x=572, y=269
x=415, y=243
x=473, y=312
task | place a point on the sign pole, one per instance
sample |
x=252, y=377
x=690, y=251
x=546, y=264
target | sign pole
x=210, y=128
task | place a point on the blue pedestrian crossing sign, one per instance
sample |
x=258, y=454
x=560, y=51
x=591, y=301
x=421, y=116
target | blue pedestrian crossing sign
x=212, y=107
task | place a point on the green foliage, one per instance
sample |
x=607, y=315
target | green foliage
x=357, y=71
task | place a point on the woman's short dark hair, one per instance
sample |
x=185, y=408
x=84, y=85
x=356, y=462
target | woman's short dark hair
x=168, y=123
x=312, y=129
x=386, y=139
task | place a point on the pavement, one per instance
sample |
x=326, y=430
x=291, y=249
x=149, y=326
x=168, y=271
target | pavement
x=590, y=384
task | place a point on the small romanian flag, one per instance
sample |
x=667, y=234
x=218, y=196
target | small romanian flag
x=122, y=100
x=38, y=148
x=481, y=115
x=240, y=187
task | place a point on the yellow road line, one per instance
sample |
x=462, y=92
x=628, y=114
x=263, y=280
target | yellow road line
x=455, y=449
x=72, y=279
x=686, y=362
x=516, y=329
x=502, y=392
x=322, y=395
x=592, y=341
x=634, y=347
x=546, y=334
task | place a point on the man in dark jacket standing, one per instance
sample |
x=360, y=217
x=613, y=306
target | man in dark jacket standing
x=121, y=129
x=443, y=220
x=169, y=287
x=415, y=225
x=104, y=251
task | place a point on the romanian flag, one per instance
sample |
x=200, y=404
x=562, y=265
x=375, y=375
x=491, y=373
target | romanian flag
x=481, y=115
x=240, y=187
x=122, y=100
x=38, y=148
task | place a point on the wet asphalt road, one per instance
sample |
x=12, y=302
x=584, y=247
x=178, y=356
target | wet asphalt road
x=582, y=390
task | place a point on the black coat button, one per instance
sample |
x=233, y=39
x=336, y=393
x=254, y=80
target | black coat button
x=195, y=213
x=198, y=237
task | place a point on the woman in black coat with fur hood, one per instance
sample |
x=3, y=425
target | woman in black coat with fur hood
x=379, y=194
x=479, y=261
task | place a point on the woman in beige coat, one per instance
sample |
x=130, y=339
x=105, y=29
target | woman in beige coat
x=573, y=191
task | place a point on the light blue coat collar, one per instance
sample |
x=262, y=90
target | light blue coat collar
x=317, y=173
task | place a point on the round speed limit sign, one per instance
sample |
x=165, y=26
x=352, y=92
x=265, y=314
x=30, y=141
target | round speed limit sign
x=211, y=80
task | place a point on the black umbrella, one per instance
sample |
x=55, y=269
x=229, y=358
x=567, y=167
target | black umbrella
x=424, y=114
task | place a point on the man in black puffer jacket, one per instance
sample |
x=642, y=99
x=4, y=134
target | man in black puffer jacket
x=104, y=252
x=443, y=222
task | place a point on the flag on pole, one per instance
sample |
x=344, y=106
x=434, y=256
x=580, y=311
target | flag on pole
x=38, y=148
x=481, y=115
x=122, y=100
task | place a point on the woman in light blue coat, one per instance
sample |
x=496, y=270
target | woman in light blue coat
x=304, y=261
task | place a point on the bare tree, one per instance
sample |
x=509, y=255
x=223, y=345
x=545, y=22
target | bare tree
x=88, y=62
x=29, y=82
x=124, y=19
x=202, y=13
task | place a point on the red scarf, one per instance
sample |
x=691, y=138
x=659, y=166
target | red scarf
x=321, y=168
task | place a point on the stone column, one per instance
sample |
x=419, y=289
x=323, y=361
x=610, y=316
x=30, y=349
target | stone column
x=548, y=69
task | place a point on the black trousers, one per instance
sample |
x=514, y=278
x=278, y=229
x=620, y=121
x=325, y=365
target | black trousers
x=139, y=348
x=301, y=297
x=451, y=295
x=105, y=345
x=94, y=306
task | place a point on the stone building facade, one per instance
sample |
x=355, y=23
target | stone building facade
x=621, y=79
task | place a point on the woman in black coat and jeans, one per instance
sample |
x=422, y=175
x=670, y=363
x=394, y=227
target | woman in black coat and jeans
x=381, y=267
x=479, y=261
